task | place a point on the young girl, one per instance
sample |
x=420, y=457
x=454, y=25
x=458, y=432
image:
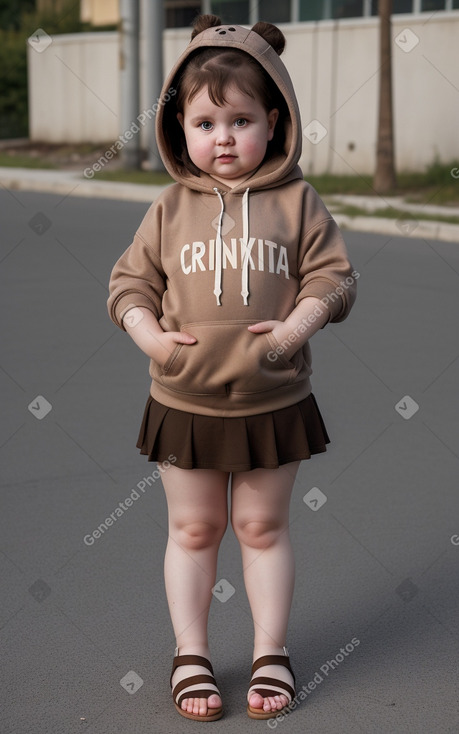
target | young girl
x=231, y=272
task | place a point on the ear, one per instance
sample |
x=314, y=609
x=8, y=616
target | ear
x=180, y=118
x=273, y=116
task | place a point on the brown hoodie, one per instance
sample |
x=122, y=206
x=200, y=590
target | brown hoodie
x=211, y=260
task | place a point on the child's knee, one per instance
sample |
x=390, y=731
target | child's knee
x=260, y=534
x=198, y=534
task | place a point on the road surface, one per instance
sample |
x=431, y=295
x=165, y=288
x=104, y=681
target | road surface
x=86, y=642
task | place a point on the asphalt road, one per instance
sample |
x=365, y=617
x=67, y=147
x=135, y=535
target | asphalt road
x=86, y=642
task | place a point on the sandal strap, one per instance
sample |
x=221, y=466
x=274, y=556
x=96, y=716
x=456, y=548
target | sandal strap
x=190, y=660
x=273, y=660
x=186, y=685
x=278, y=687
x=184, y=688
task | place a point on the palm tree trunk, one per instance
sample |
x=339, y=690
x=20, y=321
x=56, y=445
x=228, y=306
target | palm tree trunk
x=385, y=178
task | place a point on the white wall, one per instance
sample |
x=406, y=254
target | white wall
x=73, y=89
x=74, y=92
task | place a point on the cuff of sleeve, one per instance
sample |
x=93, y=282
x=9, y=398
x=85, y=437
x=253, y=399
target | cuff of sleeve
x=128, y=301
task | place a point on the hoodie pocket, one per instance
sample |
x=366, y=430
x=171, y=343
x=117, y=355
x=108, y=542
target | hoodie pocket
x=227, y=358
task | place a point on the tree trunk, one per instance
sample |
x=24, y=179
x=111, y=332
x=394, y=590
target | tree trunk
x=384, y=179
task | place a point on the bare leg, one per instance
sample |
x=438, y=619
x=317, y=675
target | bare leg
x=260, y=518
x=198, y=515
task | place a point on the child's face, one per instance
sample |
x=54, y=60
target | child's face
x=227, y=142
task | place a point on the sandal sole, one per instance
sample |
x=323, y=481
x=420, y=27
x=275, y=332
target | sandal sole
x=196, y=717
x=260, y=714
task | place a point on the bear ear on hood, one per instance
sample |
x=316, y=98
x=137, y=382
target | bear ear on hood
x=269, y=32
x=203, y=22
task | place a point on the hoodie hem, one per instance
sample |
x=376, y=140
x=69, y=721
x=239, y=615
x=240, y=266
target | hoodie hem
x=234, y=405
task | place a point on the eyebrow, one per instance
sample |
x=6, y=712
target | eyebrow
x=200, y=118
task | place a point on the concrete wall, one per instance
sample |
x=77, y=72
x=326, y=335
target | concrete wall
x=73, y=89
x=334, y=66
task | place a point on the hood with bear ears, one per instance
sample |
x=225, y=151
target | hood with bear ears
x=277, y=169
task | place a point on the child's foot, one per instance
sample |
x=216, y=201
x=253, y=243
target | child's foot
x=192, y=673
x=272, y=686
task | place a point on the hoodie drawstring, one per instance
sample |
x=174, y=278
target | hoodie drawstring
x=219, y=249
x=245, y=237
x=218, y=252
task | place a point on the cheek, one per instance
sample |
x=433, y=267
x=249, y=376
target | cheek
x=197, y=146
x=255, y=146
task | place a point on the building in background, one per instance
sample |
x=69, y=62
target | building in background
x=100, y=12
x=331, y=55
x=180, y=13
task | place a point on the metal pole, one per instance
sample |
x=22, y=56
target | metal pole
x=152, y=26
x=129, y=82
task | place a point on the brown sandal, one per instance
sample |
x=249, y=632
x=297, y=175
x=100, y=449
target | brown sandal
x=271, y=686
x=191, y=687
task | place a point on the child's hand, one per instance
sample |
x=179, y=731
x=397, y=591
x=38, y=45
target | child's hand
x=278, y=329
x=162, y=345
x=309, y=316
x=151, y=339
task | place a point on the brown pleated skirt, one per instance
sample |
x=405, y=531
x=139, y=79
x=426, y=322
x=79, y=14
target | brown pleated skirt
x=265, y=441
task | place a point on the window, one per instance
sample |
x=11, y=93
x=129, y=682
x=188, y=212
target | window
x=272, y=11
x=399, y=6
x=231, y=11
x=347, y=8
x=180, y=13
x=312, y=9
x=432, y=5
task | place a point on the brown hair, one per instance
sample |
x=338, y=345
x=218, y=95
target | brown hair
x=220, y=68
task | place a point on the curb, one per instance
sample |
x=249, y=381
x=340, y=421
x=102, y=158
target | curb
x=68, y=183
x=422, y=229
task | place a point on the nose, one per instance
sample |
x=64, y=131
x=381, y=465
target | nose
x=224, y=135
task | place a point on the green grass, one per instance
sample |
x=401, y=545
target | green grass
x=435, y=186
x=23, y=161
x=391, y=213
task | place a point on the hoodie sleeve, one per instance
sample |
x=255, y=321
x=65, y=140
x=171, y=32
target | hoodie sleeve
x=138, y=278
x=324, y=268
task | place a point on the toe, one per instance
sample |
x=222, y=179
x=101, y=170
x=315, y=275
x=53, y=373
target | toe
x=281, y=701
x=214, y=701
x=256, y=701
x=201, y=706
x=275, y=703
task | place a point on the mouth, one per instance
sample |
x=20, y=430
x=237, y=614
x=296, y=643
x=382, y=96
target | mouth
x=226, y=158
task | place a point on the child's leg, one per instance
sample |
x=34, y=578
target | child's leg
x=260, y=518
x=198, y=515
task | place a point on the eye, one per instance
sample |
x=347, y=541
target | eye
x=240, y=122
x=206, y=125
